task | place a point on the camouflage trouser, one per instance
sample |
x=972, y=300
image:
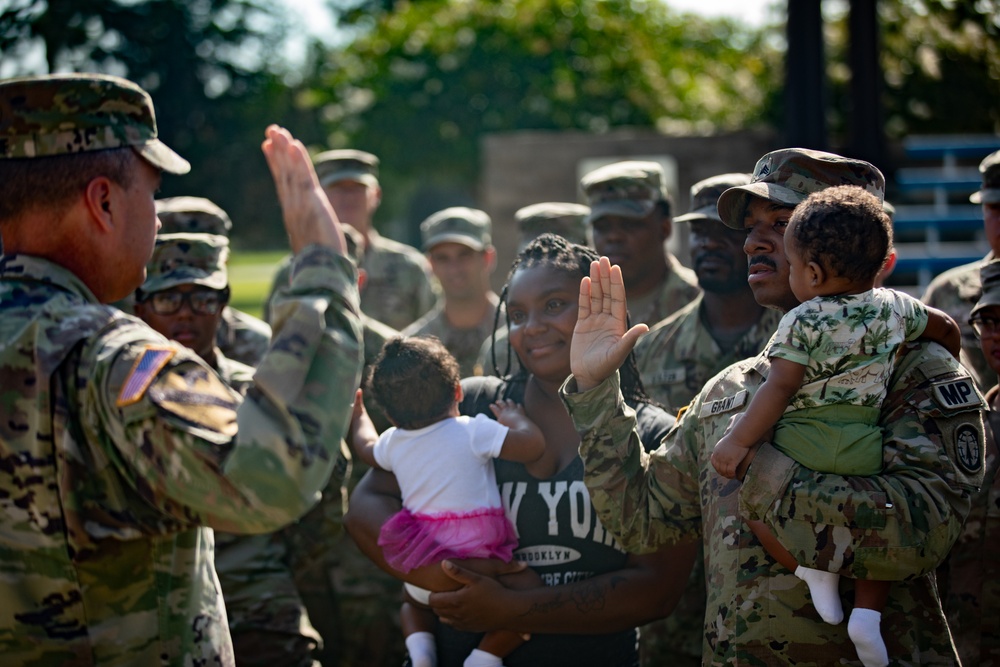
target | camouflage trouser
x=267, y=618
x=355, y=607
x=262, y=646
x=677, y=639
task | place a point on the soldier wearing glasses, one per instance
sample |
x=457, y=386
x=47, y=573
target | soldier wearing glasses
x=183, y=297
x=184, y=294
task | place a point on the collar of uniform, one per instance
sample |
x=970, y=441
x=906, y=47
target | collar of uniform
x=36, y=269
x=760, y=365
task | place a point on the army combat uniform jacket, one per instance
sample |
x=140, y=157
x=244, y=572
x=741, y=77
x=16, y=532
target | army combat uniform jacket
x=243, y=337
x=678, y=290
x=678, y=356
x=120, y=447
x=400, y=287
x=896, y=526
x=464, y=344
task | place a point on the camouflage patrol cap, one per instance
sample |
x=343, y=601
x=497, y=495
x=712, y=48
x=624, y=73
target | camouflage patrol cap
x=458, y=224
x=192, y=215
x=990, y=192
x=789, y=175
x=60, y=114
x=187, y=259
x=705, y=196
x=566, y=219
x=346, y=164
x=630, y=189
x=989, y=274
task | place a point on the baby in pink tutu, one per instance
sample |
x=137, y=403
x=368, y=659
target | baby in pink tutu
x=444, y=465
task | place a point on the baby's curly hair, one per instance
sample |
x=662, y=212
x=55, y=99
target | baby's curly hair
x=413, y=380
x=845, y=230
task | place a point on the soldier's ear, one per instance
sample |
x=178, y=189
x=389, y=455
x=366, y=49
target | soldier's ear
x=98, y=200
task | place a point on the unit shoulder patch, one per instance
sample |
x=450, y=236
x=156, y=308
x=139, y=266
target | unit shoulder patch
x=144, y=370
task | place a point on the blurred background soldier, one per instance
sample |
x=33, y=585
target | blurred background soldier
x=458, y=243
x=241, y=336
x=630, y=217
x=957, y=290
x=400, y=287
x=566, y=219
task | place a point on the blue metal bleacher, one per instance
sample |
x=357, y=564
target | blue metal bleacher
x=936, y=226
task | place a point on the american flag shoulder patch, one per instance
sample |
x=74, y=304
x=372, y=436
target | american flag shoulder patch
x=143, y=372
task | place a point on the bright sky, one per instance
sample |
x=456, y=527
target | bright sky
x=314, y=19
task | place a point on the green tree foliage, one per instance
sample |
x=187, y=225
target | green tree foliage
x=940, y=62
x=431, y=77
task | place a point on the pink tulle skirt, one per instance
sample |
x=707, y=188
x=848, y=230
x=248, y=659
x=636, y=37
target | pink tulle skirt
x=411, y=540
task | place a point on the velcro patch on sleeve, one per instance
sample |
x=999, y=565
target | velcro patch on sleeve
x=144, y=370
x=956, y=394
x=198, y=396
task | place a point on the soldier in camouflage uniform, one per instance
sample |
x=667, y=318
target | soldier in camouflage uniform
x=565, y=219
x=124, y=449
x=970, y=578
x=630, y=217
x=459, y=246
x=400, y=287
x=241, y=336
x=957, y=290
x=896, y=526
x=680, y=354
x=183, y=298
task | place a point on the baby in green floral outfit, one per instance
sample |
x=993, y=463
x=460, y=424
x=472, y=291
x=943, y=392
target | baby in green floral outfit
x=831, y=359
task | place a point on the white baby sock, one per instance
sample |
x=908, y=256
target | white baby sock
x=422, y=650
x=823, y=586
x=863, y=628
x=482, y=659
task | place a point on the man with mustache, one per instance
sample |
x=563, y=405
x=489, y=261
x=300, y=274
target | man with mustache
x=680, y=354
x=630, y=214
x=896, y=526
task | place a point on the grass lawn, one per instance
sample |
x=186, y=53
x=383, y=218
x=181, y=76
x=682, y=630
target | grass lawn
x=250, y=274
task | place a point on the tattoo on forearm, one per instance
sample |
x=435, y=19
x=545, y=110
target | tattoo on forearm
x=587, y=597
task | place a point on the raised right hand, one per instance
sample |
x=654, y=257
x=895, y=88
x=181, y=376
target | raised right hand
x=600, y=341
x=307, y=213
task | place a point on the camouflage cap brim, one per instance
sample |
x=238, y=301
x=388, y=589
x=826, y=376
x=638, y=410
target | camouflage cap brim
x=463, y=239
x=625, y=208
x=185, y=277
x=733, y=202
x=162, y=156
x=703, y=213
x=985, y=196
x=357, y=176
